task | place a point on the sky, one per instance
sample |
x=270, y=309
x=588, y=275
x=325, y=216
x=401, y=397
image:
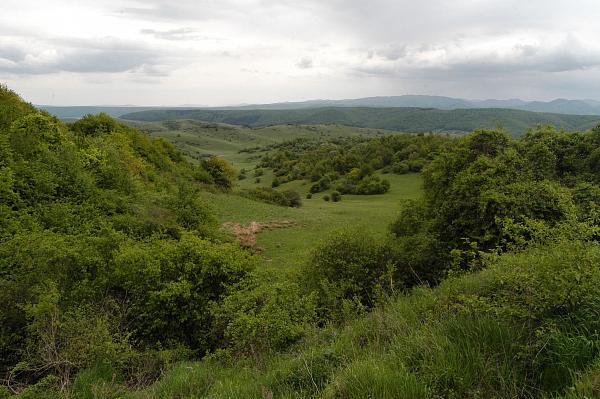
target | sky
x=229, y=52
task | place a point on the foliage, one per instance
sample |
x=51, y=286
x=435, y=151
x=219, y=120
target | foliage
x=419, y=120
x=107, y=252
x=264, y=315
x=492, y=193
x=348, y=271
x=266, y=194
x=220, y=170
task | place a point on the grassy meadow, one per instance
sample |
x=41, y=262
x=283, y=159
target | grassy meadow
x=286, y=248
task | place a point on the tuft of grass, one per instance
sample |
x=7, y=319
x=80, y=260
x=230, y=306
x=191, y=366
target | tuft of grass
x=375, y=378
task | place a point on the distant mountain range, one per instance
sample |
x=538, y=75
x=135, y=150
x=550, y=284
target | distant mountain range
x=558, y=106
x=407, y=119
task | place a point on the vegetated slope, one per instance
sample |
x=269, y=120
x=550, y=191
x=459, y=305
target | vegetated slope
x=560, y=106
x=106, y=247
x=514, y=223
x=111, y=269
x=401, y=119
x=199, y=139
x=499, y=333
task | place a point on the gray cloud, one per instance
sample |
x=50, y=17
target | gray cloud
x=305, y=63
x=13, y=54
x=378, y=47
x=393, y=52
x=80, y=56
x=463, y=62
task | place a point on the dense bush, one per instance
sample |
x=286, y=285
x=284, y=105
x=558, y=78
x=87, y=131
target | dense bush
x=336, y=196
x=491, y=193
x=220, y=170
x=348, y=270
x=266, y=194
x=264, y=315
x=108, y=253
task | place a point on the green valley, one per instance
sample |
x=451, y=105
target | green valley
x=193, y=259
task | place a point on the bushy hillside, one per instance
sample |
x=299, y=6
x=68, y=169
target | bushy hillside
x=414, y=120
x=116, y=282
x=107, y=253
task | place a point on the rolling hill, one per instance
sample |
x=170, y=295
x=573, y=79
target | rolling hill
x=415, y=120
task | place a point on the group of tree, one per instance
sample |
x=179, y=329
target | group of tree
x=348, y=165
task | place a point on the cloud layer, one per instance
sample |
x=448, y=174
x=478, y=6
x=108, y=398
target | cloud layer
x=236, y=51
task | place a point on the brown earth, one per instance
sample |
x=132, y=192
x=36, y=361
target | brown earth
x=246, y=235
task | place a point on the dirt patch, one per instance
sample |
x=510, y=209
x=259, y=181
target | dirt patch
x=246, y=235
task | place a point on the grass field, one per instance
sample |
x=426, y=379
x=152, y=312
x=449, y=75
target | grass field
x=287, y=248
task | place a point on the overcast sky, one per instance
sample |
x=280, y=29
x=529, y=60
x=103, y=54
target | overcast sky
x=217, y=52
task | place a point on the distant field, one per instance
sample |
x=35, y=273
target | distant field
x=415, y=120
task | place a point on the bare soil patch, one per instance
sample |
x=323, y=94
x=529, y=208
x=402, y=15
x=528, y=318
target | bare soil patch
x=246, y=234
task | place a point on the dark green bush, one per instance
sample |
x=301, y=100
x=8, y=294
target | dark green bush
x=95, y=125
x=336, y=196
x=326, y=197
x=266, y=194
x=264, y=315
x=348, y=270
x=220, y=170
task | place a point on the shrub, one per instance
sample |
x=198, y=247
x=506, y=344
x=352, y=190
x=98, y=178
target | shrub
x=326, y=197
x=95, y=125
x=401, y=168
x=309, y=196
x=336, y=196
x=347, y=270
x=293, y=198
x=264, y=315
x=275, y=183
x=284, y=198
x=220, y=170
x=171, y=285
x=192, y=212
